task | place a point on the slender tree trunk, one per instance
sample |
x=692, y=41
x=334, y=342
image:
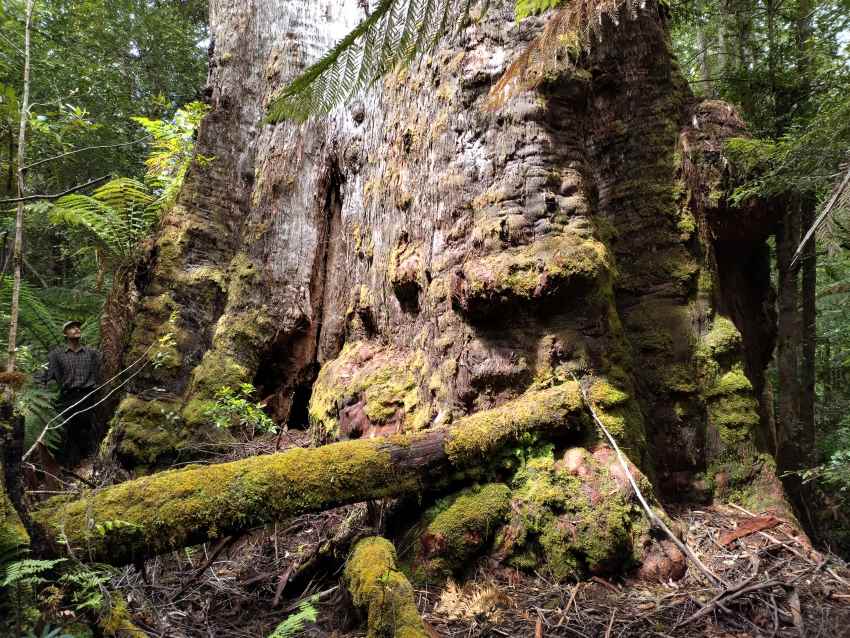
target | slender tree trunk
x=809, y=338
x=19, y=217
x=788, y=341
x=703, y=44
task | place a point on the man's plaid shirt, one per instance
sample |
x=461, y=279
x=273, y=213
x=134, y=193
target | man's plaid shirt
x=74, y=370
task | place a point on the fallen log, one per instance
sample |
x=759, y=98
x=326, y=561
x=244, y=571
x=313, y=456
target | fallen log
x=155, y=514
x=376, y=584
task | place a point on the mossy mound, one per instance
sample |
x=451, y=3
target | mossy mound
x=549, y=268
x=145, y=433
x=376, y=584
x=365, y=387
x=729, y=398
x=459, y=526
x=575, y=516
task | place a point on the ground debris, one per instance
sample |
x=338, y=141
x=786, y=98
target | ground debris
x=781, y=588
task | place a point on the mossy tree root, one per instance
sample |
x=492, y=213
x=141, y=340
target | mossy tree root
x=152, y=515
x=377, y=585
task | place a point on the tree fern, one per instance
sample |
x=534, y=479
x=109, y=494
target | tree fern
x=393, y=33
x=36, y=319
x=118, y=215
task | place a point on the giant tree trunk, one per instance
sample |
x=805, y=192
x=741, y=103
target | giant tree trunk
x=416, y=258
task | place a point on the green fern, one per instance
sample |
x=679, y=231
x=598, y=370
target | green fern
x=118, y=215
x=37, y=321
x=295, y=623
x=394, y=33
x=172, y=150
x=27, y=571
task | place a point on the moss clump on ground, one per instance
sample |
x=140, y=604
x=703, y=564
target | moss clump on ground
x=376, y=584
x=460, y=525
x=575, y=516
x=144, y=433
x=384, y=379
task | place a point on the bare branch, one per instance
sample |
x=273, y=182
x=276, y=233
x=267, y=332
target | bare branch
x=79, y=187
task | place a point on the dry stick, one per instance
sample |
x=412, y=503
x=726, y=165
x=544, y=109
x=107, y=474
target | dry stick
x=225, y=542
x=653, y=517
x=730, y=594
x=78, y=187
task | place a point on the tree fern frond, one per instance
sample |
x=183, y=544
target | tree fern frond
x=395, y=31
x=35, y=317
x=123, y=193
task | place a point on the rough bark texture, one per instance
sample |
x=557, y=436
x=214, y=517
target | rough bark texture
x=416, y=258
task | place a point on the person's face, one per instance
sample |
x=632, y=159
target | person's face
x=72, y=332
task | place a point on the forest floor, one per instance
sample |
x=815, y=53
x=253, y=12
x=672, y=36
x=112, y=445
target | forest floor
x=243, y=587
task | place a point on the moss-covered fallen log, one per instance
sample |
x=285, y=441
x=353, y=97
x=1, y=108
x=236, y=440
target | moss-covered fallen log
x=155, y=514
x=377, y=585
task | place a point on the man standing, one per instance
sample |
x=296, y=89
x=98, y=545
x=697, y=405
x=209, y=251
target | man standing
x=76, y=368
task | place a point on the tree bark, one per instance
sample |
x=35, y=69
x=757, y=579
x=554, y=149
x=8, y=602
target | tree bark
x=418, y=260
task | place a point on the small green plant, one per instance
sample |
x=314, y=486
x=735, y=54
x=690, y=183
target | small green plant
x=87, y=586
x=27, y=571
x=49, y=632
x=236, y=409
x=108, y=526
x=295, y=623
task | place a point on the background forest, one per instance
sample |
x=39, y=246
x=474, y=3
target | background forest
x=115, y=95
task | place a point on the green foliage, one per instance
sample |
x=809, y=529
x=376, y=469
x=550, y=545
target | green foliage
x=87, y=586
x=526, y=8
x=172, y=150
x=295, y=623
x=395, y=32
x=27, y=571
x=37, y=322
x=49, y=631
x=117, y=216
x=234, y=409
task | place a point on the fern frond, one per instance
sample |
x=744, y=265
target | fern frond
x=36, y=319
x=124, y=193
x=26, y=570
x=395, y=31
x=295, y=623
x=118, y=214
x=35, y=403
x=570, y=31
